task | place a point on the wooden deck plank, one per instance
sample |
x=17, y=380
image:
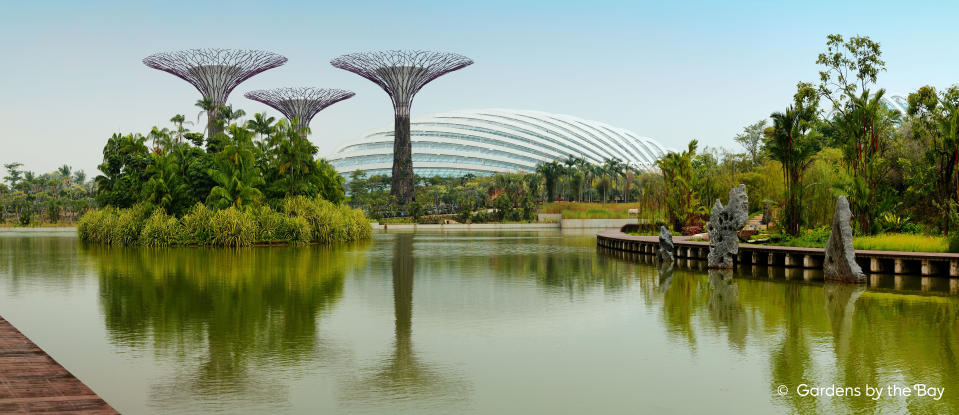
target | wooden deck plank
x=32, y=382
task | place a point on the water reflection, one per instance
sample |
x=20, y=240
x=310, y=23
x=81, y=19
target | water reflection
x=823, y=333
x=50, y=261
x=402, y=375
x=230, y=318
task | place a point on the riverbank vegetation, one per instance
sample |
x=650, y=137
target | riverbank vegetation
x=299, y=220
x=55, y=198
x=259, y=182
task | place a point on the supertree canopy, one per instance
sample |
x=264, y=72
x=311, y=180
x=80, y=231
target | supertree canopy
x=214, y=72
x=401, y=74
x=299, y=105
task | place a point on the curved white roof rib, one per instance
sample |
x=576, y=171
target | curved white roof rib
x=484, y=142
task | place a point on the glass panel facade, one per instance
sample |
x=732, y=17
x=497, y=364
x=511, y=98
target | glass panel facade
x=489, y=141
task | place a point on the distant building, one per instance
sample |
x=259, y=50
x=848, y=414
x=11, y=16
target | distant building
x=484, y=142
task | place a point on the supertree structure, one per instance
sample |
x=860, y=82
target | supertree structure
x=214, y=72
x=299, y=105
x=401, y=74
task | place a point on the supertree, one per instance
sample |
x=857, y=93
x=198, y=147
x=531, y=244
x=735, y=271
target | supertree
x=401, y=74
x=214, y=72
x=299, y=105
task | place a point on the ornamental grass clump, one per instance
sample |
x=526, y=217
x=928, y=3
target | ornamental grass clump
x=329, y=222
x=128, y=225
x=161, y=229
x=233, y=227
x=302, y=220
x=96, y=226
x=273, y=226
x=198, y=225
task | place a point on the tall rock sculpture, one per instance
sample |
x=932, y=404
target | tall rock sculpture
x=840, y=261
x=724, y=224
x=665, y=252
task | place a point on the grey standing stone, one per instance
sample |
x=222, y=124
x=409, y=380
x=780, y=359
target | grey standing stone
x=723, y=227
x=840, y=261
x=665, y=252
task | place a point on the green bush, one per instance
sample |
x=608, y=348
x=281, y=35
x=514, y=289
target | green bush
x=198, y=225
x=329, y=222
x=302, y=220
x=272, y=226
x=233, y=227
x=161, y=229
x=128, y=225
x=96, y=226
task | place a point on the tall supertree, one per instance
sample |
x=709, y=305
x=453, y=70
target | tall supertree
x=299, y=105
x=401, y=74
x=214, y=72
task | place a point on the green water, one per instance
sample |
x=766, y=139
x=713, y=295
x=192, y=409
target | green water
x=471, y=323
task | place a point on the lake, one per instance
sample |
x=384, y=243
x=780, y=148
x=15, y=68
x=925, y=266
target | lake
x=481, y=322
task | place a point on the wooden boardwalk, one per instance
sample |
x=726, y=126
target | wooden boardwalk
x=32, y=382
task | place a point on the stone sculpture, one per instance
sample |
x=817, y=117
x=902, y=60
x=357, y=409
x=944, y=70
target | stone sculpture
x=665, y=252
x=723, y=227
x=840, y=261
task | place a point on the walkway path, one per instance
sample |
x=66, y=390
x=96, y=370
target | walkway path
x=31, y=381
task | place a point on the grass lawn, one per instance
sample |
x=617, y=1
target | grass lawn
x=882, y=242
x=582, y=210
x=902, y=242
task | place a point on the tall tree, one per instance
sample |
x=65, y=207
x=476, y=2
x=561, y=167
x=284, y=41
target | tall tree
x=551, y=173
x=677, y=178
x=752, y=141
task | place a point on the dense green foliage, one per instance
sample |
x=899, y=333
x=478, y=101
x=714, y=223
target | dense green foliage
x=899, y=170
x=31, y=199
x=259, y=182
x=300, y=220
x=260, y=162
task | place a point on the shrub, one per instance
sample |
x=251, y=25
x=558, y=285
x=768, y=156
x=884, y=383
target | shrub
x=96, y=225
x=302, y=220
x=128, y=225
x=198, y=225
x=233, y=227
x=329, y=222
x=161, y=229
x=692, y=230
x=274, y=226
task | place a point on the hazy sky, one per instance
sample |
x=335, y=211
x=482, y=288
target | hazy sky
x=71, y=71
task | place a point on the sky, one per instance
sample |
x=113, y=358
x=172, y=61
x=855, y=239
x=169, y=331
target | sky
x=71, y=73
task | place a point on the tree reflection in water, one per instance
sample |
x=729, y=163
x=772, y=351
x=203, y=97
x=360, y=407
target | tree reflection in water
x=819, y=333
x=228, y=318
x=402, y=375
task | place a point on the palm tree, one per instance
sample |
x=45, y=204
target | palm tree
x=790, y=145
x=867, y=127
x=165, y=186
x=178, y=120
x=293, y=156
x=677, y=179
x=162, y=141
x=612, y=168
x=261, y=124
x=229, y=115
x=236, y=176
x=551, y=173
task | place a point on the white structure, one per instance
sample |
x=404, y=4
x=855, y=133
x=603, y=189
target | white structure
x=484, y=142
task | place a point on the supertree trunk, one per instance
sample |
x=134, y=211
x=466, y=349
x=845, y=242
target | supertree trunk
x=402, y=185
x=401, y=74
